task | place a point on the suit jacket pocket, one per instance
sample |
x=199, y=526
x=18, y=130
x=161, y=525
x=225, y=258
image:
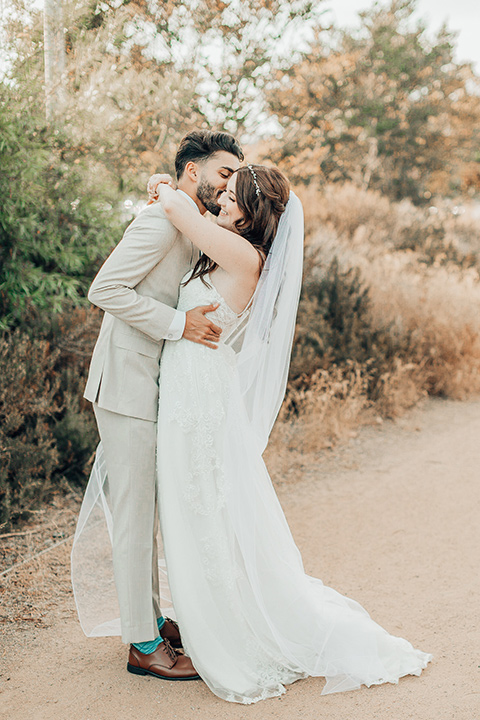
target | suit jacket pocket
x=136, y=343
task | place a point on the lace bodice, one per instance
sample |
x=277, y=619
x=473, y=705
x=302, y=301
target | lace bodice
x=195, y=385
x=198, y=293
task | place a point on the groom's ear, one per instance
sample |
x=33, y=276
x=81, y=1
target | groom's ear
x=191, y=171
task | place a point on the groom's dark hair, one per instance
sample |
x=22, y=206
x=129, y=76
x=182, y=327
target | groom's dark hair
x=199, y=145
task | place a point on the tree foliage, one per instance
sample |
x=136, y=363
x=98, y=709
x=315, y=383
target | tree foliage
x=53, y=228
x=386, y=107
x=140, y=74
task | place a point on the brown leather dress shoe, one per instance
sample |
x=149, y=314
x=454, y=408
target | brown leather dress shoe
x=164, y=663
x=171, y=632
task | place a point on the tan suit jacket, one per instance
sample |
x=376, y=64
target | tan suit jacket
x=138, y=288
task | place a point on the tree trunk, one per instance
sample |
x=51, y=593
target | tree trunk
x=54, y=53
x=371, y=163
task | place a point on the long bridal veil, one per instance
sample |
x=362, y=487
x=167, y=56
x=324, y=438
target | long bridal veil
x=91, y=560
x=264, y=358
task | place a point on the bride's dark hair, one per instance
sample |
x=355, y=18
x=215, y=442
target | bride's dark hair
x=261, y=204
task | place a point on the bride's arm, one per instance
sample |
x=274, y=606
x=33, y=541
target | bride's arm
x=228, y=249
x=153, y=183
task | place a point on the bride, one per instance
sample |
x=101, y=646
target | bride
x=251, y=619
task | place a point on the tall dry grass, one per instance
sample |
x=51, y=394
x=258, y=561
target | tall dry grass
x=438, y=310
x=413, y=316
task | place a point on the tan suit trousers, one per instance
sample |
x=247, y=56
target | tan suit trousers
x=130, y=455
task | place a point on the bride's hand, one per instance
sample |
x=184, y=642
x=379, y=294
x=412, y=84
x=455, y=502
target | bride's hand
x=154, y=182
x=169, y=198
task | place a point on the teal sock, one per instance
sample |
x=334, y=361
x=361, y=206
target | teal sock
x=148, y=647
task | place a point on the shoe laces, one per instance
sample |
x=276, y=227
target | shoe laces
x=170, y=651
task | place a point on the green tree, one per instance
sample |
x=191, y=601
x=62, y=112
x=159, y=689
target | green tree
x=125, y=109
x=53, y=229
x=139, y=75
x=384, y=106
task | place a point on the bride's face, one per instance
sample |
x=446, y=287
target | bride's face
x=229, y=210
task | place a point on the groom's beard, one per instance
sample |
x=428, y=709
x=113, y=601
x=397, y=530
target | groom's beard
x=208, y=195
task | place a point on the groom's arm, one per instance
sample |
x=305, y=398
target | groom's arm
x=146, y=242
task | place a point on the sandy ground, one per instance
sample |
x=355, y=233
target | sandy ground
x=390, y=519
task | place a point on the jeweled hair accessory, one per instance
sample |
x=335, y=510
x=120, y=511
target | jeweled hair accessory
x=254, y=175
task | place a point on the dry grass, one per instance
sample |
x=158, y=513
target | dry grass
x=332, y=405
x=345, y=208
x=421, y=268
x=329, y=410
x=439, y=310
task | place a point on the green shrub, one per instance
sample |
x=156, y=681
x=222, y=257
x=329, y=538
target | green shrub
x=47, y=431
x=74, y=429
x=54, y=228
x=28, y=452
x=334, y=324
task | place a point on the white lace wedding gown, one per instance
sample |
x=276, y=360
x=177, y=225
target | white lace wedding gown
x=251, y=619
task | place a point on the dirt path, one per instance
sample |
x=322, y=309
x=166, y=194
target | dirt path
x=392, y=519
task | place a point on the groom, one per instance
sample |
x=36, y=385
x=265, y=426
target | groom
x=138, y=287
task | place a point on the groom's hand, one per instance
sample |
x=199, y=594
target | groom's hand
x=200, y=329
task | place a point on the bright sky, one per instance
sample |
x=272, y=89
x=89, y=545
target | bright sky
x=461, y=15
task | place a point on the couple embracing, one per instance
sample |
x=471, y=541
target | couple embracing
x=187, y=377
